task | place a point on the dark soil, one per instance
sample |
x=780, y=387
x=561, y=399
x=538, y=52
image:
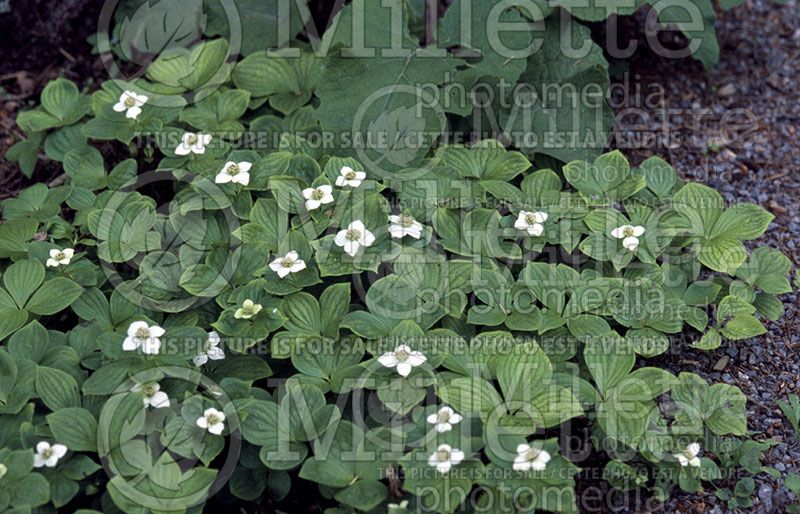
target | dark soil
x=754, y=86
x=678, y=104
x=51, y=44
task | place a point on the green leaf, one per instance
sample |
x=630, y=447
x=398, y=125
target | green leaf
x=701, y=293
x=363, y=495
x=74, y=427
x=609, y=360
x=15, y=236
x=471, y=395
x=22, y=278
x=303, y=313
x=54, y=296
x=722, y=254
x=659, y=176
x=86, y=168
x=701, y=205
x=287, y=82
x=742, y=221
x=26, y=153
x=30, y=342
x=334, y=304
x=570, y=96
x=56, y=388
x=36, y=121
x=59, y=97
x=697, y=23
x=725, y=410
x=486, y=160
x=711, y=340
x=8, y=375
x=743, y=326
x=385, y=104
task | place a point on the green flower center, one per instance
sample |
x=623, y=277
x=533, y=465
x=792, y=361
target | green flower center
x=60, y=256
x=530, y=218
x=192, y=139
x=317, y=194
x=353, y=234
x=287, y=263
x=212, y=419
x=406, y=220
x=149, y=390
x=532, y=454
x=402, y=355
x=234, y=169
x=129, y=101
x=627, y=231
x=143, y=333
x=248, y=309
x=46, y=454
x=443, y=416
x=442, y=455
x=350, y=175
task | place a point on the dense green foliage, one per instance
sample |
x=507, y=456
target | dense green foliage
x=396, y=328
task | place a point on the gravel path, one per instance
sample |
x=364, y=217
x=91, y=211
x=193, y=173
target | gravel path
x=755, y=84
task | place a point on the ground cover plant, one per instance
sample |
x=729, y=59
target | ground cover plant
x=204, y=318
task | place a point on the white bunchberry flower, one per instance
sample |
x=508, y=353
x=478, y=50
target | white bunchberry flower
x=402, y=358
x=445, y=457
x=630, y=236
x=316, y=196
x=529, y=458
x=212, y=420
x=531, y=222
x=354, y=237
x=404, y=225
x=402, y=506
x=689, y=456
x=3, y=470
x=290, y=263
x=131, y=103
x=236, y=172
x=193, y=143
x=211, y=350
x=349, y=177
x=247, y=310
x=141, y=335
x=444, y=419
x=153, y=395
x=60, y=257
x=47, y=455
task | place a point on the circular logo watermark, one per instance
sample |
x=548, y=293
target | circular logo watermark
x=157, y=256
x=153, y=448
x=394, y=128
x=172, y=34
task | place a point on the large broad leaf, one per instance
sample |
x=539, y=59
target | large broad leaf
x=74, y=427
x=742, y=221
x=376, y=93
x=695, y=18
x=701, y=205
x=157, y=27
x=473, y=395
x=258, y=24
x=488, y=47
x=287, y=81
x=569, y=117
x=55, y=295
x=723, y=254
x=22, y=278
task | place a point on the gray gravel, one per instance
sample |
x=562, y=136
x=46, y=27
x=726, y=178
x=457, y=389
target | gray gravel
x=757, y=74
